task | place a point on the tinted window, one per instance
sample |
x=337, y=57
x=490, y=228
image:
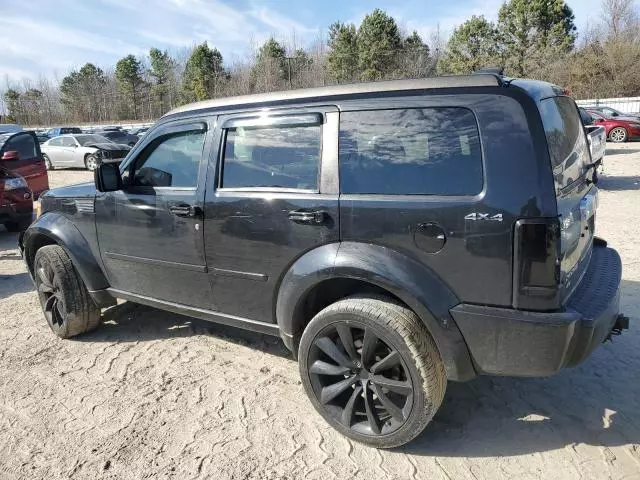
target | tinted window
x=585, y=117
x=171, y=161
x=563, y=129
x=90, y=139
x=433, y=151
x=66, y=130
x=279, y=157
x=24, y=144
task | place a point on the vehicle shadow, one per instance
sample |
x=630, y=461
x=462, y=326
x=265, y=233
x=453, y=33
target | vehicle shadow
x=594, y=404
x=131, y=322
x=620, y=151
x=618, y=183
x=14, y=283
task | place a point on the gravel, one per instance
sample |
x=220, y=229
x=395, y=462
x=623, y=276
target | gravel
x=151, y=394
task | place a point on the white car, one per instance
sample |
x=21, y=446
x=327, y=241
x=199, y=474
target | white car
x=81, y=150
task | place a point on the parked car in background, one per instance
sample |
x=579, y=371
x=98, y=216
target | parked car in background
x=16, y=201
x=619, y=129
x=21, y=157
x=56, y=131
x=597, y=137
x=84, y=150
x=118, y=136
x=139, y=131
x=393, y=244
x=10, y=128
x=613, y=113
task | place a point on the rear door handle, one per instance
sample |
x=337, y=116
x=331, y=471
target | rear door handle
x=317, y=217
x=184, y=210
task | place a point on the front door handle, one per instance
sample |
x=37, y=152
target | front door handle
x=184, y=210
x=317, y=217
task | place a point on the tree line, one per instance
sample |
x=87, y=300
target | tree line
x=531, y=38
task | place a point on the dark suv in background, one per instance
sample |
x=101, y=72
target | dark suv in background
x=396, y=235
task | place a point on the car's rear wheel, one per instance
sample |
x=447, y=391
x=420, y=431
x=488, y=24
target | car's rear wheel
x=47, y=162
x=618, y=135
x=91, y=162
x=66, y=303
x=371, y=369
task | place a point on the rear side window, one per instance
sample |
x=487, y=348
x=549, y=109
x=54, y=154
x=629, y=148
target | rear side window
x=426, y=151
x=563, y=129
x=24, y=144
x=272, y=157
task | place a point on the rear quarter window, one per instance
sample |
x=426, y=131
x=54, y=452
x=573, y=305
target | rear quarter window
x=421, y=151
x=566, y=139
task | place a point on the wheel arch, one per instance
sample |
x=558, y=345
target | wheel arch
x=54, y=228
x=331, y=272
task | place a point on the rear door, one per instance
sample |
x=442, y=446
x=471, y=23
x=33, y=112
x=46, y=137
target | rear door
x=275, y=197
x=30, y=164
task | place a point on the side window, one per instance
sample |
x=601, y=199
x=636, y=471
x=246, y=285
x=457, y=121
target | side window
x=24, y=144
x=171, y=160
x=56, y=142
x=68, y=142
x=426, y=151
x=277, y=157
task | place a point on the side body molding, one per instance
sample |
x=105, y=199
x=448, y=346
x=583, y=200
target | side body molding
x=407, y=279
x=54, y=227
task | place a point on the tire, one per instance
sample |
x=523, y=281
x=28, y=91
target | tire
x=381, y=404
x=91, y=162
x=19, y=226
x=65, y=301
x=47, y=162
x=618, y=135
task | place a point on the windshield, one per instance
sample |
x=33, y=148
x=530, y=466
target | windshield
x=115, y=134
x=88, y=139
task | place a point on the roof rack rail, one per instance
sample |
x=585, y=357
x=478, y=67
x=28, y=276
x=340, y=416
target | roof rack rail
x=494, y=70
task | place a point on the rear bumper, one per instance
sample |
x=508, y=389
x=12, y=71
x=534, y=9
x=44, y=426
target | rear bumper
x=522, y=343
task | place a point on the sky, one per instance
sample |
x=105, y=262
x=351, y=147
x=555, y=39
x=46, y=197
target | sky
x=52, y=37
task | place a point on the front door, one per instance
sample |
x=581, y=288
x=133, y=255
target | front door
x=275, y=197
x=150, y=232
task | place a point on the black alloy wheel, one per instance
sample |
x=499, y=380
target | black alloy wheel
x=50, y=295
x=360, y=379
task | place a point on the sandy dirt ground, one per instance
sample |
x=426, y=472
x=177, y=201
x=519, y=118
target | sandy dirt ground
x=155, y=395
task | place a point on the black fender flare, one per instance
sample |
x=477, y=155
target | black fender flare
x=404, y=277
x=60, y=230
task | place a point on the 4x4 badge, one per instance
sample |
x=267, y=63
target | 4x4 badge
x=484, y=216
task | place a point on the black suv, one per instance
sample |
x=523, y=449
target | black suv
x=396, y=235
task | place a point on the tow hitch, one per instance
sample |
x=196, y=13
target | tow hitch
x=621, y=323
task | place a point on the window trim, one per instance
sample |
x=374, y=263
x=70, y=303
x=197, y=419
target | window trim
x=435, y=197
x=288, y=120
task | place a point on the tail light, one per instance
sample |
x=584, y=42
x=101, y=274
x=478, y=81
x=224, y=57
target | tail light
x=536, y=268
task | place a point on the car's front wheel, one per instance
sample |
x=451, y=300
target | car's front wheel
x=618, y=135
x=47, y=162
x=91, y=162
x=66, y=303
x=371, y=369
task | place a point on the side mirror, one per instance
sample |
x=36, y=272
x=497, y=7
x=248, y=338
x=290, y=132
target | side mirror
x=108, y=178
x=11, y=155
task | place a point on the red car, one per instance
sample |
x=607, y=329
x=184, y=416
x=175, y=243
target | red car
x=23, y=178
x=619, y=129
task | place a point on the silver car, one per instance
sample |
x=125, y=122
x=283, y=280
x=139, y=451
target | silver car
x=82, y=150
